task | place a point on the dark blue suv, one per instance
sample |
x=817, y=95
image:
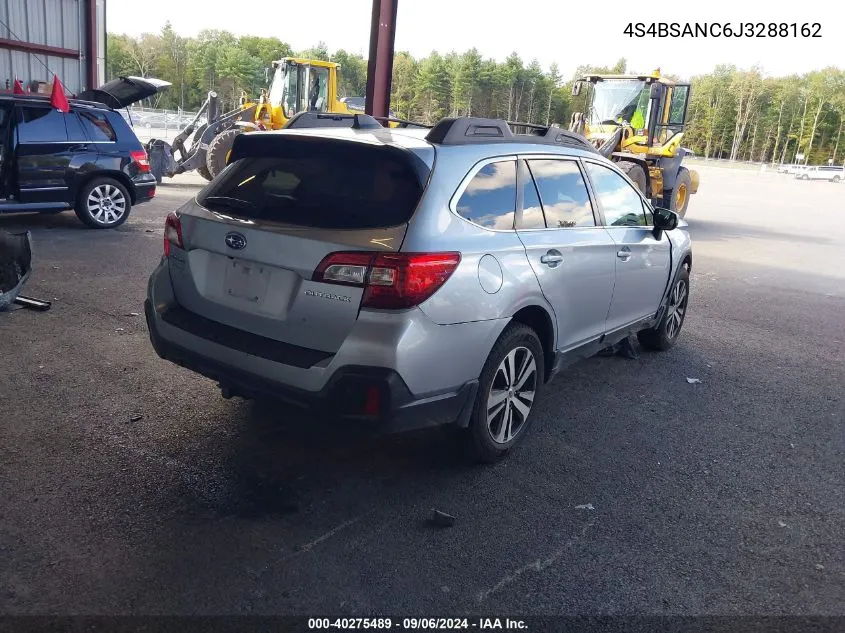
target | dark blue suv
x=88, y=159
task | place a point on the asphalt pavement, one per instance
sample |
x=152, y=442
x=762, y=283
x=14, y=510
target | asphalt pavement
x=129, y=486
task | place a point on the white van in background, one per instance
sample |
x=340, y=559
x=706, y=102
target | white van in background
x=795, y=169
x=822, y=172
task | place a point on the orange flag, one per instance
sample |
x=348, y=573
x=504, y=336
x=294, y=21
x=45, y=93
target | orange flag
x=57, y=98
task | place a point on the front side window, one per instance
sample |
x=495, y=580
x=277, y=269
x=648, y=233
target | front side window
x=563, y=193
x=678, y=105
x=620, y=202
x=41, y=125
x=277, y=86
x=291, y=89
x=490, y=197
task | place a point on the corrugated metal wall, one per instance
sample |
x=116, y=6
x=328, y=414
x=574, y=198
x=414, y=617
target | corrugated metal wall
x=58, y=23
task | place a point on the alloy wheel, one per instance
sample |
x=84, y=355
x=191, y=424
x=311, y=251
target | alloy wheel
x=511, y=395
x=677, y=309
x=106, y=204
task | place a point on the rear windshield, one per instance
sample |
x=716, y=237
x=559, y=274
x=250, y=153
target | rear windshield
x=319, y=183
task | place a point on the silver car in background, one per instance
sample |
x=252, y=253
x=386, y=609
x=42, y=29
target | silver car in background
x=414, y=277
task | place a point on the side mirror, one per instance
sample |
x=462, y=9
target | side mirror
x=576, y=89
x=664, y=220
x=655, y=91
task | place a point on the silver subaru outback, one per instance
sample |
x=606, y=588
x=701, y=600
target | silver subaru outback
x=412, y=277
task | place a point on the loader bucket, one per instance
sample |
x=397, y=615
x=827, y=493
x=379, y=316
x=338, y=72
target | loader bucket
x=15, y=265
x=161, y=158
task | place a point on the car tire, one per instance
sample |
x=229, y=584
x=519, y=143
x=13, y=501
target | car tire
x=103, y=203
x=218, y=151
x=679, y=197
x=509, y=395
x=836, y=179
x=635, y=172
x=665, y=334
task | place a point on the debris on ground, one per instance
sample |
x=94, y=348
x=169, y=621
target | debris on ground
x=781, y=524
x=15, y=265
x=33, y=304
x=135, y=417
x=133, y=314
x=442, y=519
x=693, y=381
x=586, y=506
x=624, y=348
x=819, y=567
x=120, y=329
x=15, y=269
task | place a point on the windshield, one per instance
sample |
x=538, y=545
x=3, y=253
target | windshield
x=625, y=100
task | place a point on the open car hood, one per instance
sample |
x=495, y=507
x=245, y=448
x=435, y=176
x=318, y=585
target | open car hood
x=123, y=91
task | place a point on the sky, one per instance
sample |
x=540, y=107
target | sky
x=549, y=30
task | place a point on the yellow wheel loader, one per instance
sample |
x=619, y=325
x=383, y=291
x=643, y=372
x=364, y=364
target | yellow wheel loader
x=638, y=121
x=297, y=85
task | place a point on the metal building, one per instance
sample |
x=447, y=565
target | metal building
x=67, y=36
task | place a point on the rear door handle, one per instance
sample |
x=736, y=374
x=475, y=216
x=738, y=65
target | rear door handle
x=551, y=259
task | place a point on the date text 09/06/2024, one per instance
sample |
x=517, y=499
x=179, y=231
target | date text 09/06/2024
x=724, y=29
x=417, y=624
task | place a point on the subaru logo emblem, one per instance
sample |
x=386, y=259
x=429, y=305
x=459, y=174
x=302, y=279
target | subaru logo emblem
x=236, y=241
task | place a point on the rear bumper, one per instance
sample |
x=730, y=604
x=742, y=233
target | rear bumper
x=144, y=191
x=375, y=396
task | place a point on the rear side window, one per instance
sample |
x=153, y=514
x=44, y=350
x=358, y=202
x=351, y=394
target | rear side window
x=41, y=125
x=97, y=126
x=620, y=202
x=318, y=183
x=489, y=199
x=563, y=193
x=532, y=210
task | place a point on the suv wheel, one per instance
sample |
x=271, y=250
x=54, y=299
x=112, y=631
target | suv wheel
x=665, y=334
x=507, y=390
x=103, y=203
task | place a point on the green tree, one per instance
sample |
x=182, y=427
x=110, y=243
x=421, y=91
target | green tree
x=404, y=84
x=320, y=52
x=352, y=76
x=119, y=57
x=432, y=95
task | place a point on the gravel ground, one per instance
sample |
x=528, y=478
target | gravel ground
x=129, y=486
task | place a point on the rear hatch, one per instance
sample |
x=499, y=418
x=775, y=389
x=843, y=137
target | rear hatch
x=124, y=91
x=254, y=237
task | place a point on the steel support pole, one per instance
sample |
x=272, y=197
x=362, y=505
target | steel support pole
x=91, y=78
x=380, y=62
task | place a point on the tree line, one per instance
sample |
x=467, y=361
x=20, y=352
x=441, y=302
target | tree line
x=737, y=114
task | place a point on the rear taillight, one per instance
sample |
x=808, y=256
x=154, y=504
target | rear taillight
x=391, y=281
x=172, y=233
x=349, y=269
x=141, y=159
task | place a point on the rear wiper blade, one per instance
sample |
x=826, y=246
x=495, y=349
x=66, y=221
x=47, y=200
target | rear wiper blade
x=228, y=201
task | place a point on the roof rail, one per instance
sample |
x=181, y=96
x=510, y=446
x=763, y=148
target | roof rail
x=469, y=130
x=329, y=119
x=40, y=98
